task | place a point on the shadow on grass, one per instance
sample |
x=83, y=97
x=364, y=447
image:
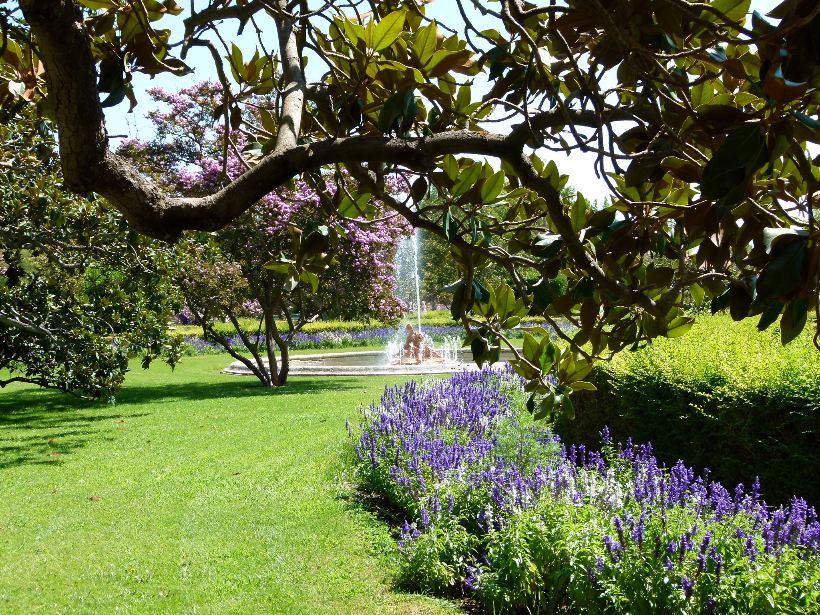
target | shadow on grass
x=27, y=404
x=39, y=436
x=40, y=426
x=233, y=388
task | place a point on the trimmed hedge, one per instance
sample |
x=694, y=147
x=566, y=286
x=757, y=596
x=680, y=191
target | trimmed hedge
x=431, y=318
x=724, y=397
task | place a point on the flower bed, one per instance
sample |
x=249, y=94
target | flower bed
x=379, y=336
x=376, y=336
x=498, y=508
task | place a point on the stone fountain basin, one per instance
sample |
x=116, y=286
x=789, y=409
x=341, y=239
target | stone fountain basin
x=368, y=363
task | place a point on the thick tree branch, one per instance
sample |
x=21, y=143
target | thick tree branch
x=215, y=12
x=293, y=98
x=17, y=323
x=72, y=85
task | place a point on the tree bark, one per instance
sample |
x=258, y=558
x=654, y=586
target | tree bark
x=284, y=359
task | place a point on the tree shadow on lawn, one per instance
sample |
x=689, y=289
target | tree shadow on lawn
x=42, y=426
x=38, y=434
x=229, y=388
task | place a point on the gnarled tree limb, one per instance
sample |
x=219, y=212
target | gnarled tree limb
x=89, y=165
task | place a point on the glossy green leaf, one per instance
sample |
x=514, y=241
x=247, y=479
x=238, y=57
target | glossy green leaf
x=388, y=30
x=426, y=42
x=726, y=174
x=735, y=10
x=398, y=111
x=679, y=326
x=492, y=187
x=793, y=320
x=467, y=179
x=450, y=166
x=785, y=272
x=578, y=212
x=769, y=315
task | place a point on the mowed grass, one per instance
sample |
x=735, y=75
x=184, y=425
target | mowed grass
x=197, y=492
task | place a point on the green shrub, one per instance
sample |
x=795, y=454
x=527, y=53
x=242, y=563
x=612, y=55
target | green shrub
x=434, y=561
x=724, y=397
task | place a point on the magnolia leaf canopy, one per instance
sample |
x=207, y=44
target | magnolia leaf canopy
x=703, y=120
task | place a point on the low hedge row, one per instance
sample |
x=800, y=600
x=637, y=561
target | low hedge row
x=432, y=318
x=724, y=397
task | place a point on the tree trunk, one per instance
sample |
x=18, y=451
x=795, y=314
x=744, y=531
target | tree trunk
x=271, y=334
x=284, y=356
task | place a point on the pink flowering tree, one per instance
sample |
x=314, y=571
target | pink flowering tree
x=291, y=258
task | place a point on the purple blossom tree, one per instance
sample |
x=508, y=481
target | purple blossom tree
x=285, y=261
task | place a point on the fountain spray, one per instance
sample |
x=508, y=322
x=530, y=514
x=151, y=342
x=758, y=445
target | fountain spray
x=415, y=240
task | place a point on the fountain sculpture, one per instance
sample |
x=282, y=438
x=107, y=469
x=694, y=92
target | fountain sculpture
x=410, y=352
x=417, y=348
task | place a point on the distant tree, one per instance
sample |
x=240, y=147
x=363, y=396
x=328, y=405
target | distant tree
x=72, y=308
x=287, y=260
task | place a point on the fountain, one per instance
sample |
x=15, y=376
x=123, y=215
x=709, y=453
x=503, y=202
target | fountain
x=411, y=351
x=408, y=284
x=415, y=241
x=414, y=348
x=402, y=357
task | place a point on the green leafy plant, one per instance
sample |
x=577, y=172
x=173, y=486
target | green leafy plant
x=73, y=311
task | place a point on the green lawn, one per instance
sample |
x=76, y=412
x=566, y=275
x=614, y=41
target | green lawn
x=196, y=492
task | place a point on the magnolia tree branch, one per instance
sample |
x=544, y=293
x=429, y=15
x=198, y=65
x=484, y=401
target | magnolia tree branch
x=89, y=165
x=293, y=98
x=19, y=323
x=215, y=12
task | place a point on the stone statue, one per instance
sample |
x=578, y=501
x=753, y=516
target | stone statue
x=415, y=344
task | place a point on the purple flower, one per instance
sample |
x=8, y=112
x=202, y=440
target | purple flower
x=613, y=548
x=445, y=436
x=718, y=560
x=686, y=585
x=425, y=518
x=473, y=579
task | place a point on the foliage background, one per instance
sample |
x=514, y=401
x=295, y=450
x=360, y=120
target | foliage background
x=73, y=308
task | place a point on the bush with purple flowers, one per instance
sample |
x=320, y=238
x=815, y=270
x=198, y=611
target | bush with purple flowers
x=378, y=336
x=497, y=507
x=304, y=340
